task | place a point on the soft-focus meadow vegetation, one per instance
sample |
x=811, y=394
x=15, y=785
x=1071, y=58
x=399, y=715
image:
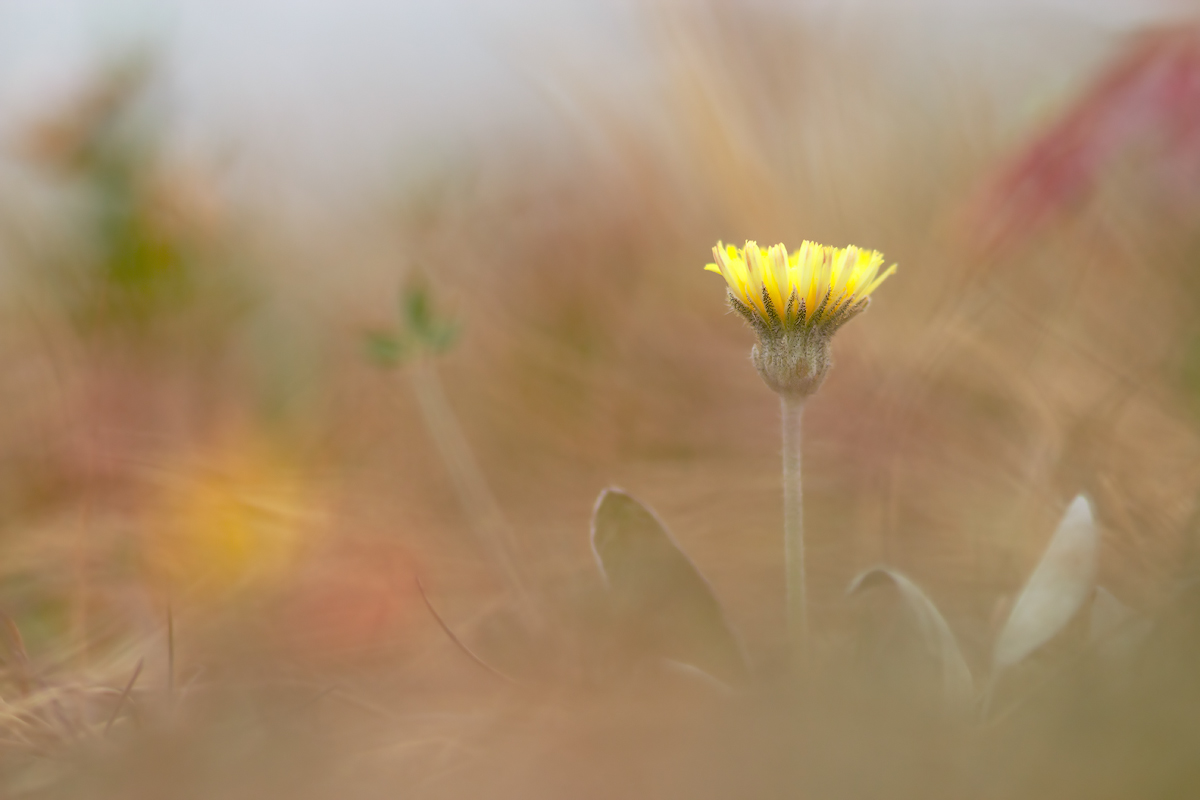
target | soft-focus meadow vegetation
x=283, y=525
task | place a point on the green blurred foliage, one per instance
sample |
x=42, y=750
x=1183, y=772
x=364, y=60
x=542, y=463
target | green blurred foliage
x=141, y=271
x=421, y=330
x=144, y=259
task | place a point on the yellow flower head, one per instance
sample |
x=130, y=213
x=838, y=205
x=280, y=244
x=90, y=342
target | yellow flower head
x=796, y=302
x=815, y=286
x=229, y=516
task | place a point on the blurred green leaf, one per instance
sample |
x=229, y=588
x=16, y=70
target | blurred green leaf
x=139, y=268
x=384, y=349
x=663, y=602
x=420, y=331
x=1060, y=585
x=422, y=322
x=442, y=337
x=416, y=309
x=958, y=688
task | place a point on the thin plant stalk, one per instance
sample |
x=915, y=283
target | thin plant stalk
x=483, y=512
x=793, y=529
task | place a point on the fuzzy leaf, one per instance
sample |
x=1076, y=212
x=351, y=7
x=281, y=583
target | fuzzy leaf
x=1108, y=614
x=957, y=684
x=1114, y=629
x=1058, y=588
x=663, y=603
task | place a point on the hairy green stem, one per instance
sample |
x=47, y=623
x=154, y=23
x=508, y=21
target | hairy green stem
x=793, y=529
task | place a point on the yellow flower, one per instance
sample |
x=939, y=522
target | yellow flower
x=795, y=303
x=230, y=515
x=815, y=286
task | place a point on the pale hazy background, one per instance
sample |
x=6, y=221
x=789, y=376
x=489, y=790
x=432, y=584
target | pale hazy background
x=322, y=94
x=318, y=314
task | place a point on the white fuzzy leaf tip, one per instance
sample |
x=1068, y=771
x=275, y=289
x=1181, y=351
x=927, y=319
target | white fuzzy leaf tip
x=1061, y=583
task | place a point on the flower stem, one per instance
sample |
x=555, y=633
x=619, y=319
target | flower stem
x=793, y=530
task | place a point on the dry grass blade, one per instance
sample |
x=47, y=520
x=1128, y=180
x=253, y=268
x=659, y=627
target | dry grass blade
x=124, y=696
x=16, y=648
x=457, y=641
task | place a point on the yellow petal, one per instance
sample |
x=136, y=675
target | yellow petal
x=875, y=283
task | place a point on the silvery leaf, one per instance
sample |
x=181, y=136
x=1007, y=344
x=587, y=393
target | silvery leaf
x=1061, y=583
x=663, y=602
x=935, y=633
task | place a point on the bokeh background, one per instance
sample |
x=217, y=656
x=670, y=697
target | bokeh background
x=324, y=324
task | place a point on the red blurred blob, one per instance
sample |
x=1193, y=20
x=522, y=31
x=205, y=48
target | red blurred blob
x=1151, y=93
x=350, y=602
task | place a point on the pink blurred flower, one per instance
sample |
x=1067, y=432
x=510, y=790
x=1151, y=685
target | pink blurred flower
x=355, y=597
x=1150, y=95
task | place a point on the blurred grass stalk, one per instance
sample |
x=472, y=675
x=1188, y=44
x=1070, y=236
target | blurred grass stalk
x=483, y=512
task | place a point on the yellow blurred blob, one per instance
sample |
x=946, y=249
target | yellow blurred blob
x=229, y=517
